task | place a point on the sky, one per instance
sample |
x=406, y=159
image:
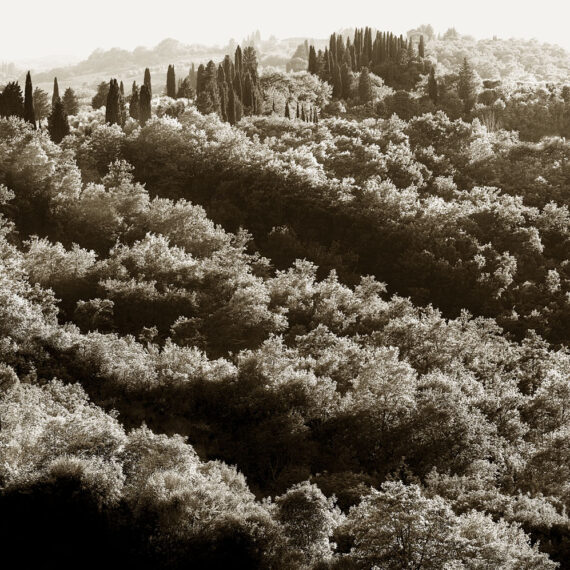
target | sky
x=39, y=28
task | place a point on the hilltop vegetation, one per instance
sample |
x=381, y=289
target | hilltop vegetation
x=266, y=322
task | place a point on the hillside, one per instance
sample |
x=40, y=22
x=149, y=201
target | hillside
x=275, y=319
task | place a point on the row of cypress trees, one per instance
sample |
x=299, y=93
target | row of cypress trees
x=387, y=55
x=14, y=104
x=231, y=89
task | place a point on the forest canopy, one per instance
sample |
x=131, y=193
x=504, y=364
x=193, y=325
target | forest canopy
x=316, y=319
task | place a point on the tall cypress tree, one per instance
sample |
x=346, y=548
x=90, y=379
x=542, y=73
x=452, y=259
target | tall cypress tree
x=313, y=62
x=55, y=95
x=113, y=108
x=29, y=114
x=58, y=127
x=239, y=60
x=231, y=105
x=346, y=78
x=337, y=82
x=147, y=82
x=223, y=93
x=433, y=91
x=287, y=110
x=134, y=111
x=248, y=99
x=297, y=114
x=364, y=86
x=144, y=105
x=171, y=82
x=422, y=47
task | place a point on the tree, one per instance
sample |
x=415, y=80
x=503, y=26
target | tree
x=346, y=79
x=422, y=48
x=365, y=92
x=287, y=110
x=113, y=108
x=42, y=105
x=467, y=85
x=58, y=126
x=337, y=82
x=171, y=82
x=100, y=98
x=313, y=61
x=70, y=102
x=433, y=91
x=145, y=111
x=147, y=82
x=134, y=111
x=12, y=100
x=55, y=94
x=29, y=115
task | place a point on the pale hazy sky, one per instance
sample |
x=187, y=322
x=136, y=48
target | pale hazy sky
x=37, y=28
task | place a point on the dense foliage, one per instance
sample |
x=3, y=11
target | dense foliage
x=268, y=342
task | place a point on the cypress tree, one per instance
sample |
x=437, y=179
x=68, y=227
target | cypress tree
x=248, y=95
x=297, y=115
x=122, y=89
x=229, y=69
x=58, y=127
x=364, y=86
x=231, y=105
x=238, y=86
x=223, y=93
x=193, y=77
x=200, y=79
x=70, y=102
x=432, y=86
x=145, y=111
x=134, y=111
x=337, y=82
x=171, y=82
x=113, y=108
x=239, y=60
x=29, y=114
x=313, y=62
x=55, y=95
x=147, y=82
x=422, y=48
x=467, y=85
x=287, y=110
x=346, y=79
x=303, y=116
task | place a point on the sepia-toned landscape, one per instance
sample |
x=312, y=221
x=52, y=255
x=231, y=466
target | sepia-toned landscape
x=297, y=303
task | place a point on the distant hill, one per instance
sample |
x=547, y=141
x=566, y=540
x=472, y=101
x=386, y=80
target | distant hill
x=129, y=65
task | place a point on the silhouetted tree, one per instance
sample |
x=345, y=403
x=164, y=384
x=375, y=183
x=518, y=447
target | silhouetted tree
x=12, y=100
x=365, y=86
x=29, y=115
x=171, y=82
x=113, y=108
x=422, y=47
x=58, y=127
x=145, y=111
x=134, y=110
x=55, y=94
x=147, y=82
